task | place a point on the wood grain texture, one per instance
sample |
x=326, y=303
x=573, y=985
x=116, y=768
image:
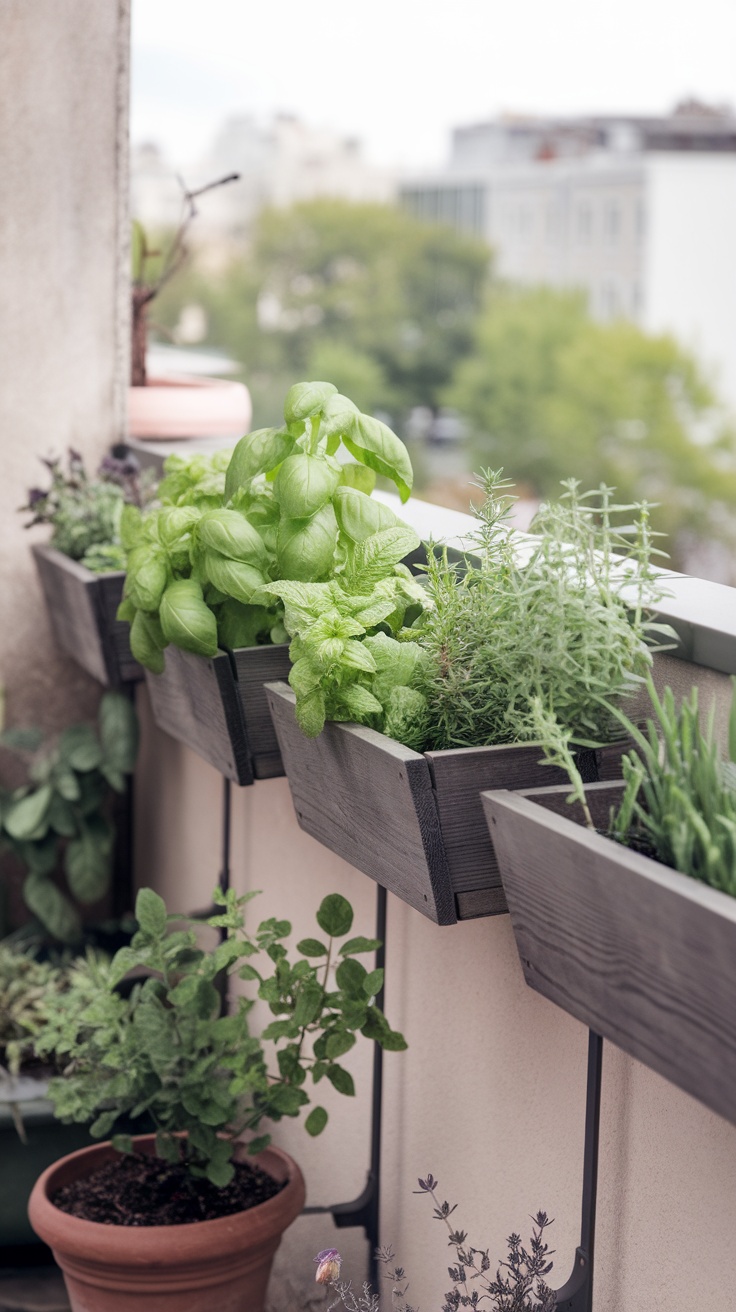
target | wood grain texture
x=641, y=954
x=196, y=701
x=370, y=800
x=82, y=607
x=253, y=667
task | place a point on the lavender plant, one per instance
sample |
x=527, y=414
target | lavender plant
x=519, y=1284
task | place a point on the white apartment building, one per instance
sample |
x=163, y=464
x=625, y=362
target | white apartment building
x=280, y=161
x=638, y=212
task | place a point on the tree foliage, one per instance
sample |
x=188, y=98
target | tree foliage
x=547, y=390
x=373, y=299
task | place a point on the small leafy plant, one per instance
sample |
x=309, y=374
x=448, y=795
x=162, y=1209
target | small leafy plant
x=85, y=513
x=519, y=1284
x=167, y=1051
x=209, y=566
x=679, y=804
x=560, y=624
x=26, y=985
x=58, y=819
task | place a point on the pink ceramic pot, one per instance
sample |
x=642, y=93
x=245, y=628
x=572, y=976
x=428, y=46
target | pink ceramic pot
x=187, y=406
x=208, y=1266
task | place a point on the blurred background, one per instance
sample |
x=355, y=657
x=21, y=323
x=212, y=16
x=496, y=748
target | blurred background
x=507, y=231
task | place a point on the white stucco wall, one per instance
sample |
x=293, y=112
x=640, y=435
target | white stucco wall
x=63, y=325
x=690, y=263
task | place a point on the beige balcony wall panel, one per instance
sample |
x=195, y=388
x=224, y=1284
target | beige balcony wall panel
x=63, y=274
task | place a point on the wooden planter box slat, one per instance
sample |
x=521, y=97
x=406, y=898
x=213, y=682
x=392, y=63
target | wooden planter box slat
x=218, y=708
x=82, y=608
x=427, y=842
x=641, y=954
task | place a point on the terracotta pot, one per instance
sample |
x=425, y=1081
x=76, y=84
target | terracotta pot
x=182, y=405
x=221, y=1265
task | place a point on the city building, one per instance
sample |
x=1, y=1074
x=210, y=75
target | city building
x=280, y=161
x=639, y=212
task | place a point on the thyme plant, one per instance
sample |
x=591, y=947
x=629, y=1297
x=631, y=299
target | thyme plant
x=567, y=627
x=518, y=1286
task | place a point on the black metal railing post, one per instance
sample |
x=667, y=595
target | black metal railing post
x=577, y=1294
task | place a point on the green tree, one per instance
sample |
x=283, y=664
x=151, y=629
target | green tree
x=384, y=304
x=550, y=393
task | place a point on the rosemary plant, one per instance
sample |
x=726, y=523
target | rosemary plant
x=566, y=628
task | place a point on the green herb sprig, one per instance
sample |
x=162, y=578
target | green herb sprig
x=560, y=624
x=166, y=1051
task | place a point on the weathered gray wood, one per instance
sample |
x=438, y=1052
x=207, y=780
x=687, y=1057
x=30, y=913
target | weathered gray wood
x=639, y=953
x=82, y=607
x=371, y=800
x=255, y=666
x=218, y=708
x=196, y=702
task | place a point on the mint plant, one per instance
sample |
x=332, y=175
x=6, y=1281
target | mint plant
x=167, y=1052
x=59, y=820
x=85, y=513
x=285, y=510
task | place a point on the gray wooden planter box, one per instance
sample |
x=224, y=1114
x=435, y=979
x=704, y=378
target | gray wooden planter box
x=218, y=707
x=413, y=822
x=639, y=953
x=82, y=608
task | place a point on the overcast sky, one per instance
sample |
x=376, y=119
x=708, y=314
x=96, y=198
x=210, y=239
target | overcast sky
x=399, y=74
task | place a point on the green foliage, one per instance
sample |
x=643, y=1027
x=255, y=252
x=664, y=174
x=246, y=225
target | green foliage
x=166, y=1051
x=546, y=389
x=27, y=986
x=680, y=798
x=209, y=567
x=86, y=513
x=366, y=295
x=58, y=819
x=562, y=630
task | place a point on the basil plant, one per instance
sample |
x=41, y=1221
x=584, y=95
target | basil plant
x=202, y=566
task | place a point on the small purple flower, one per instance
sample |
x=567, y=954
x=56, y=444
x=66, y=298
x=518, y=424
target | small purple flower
x=35, y=495
x=328, y=1266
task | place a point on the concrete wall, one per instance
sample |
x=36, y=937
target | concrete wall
x=490, y=1096
x=63, y=273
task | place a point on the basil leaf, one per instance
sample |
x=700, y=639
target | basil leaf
x=374, y=445
x=306, y=547
x=358, y=515
x=303, y=484
x=130, y=528
x=358, y=476
x=229, y=533
x=146, y=577
x=242, y=625
x=186, y=620
x=144, y=642
x=306, y=399
x=233, y=577
x=256, y=453
x=339, y=414
x=175, y=523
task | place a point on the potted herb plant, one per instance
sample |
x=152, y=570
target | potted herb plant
x=208, y=1209
x=58, y=825
x=518, y=1284
x=82, y=569
x=204, y=593
x=627, y=918
x=181, y=405
x=445, y=707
